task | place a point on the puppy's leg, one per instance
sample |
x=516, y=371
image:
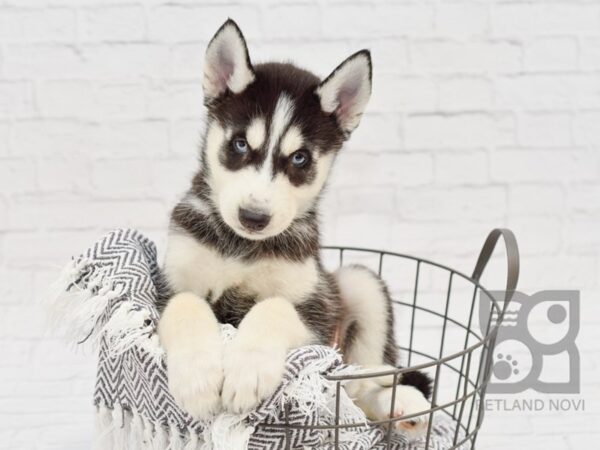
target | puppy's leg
x=189, y=333
x=254, y=360
x=370, y=344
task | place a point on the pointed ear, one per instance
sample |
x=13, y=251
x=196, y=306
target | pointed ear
x=346, y=91
x=227, y=63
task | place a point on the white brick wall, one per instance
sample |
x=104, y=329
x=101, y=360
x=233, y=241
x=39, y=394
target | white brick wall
x=484, y=114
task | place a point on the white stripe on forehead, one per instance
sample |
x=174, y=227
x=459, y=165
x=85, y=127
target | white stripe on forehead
x=255, y=134
x=284, y=109
x=280, y=120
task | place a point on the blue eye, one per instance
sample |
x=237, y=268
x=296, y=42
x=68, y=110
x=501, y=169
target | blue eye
x=299, y=158
x=240, y=146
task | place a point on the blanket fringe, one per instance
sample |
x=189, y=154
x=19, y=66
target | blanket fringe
x=193, y=443
x=128, y=326
x=104, y=425
x=147, y=432
x=81, y=296
x=159, y=441
x=227, y=432
x=310, y=392
x=122, y=429
x=349, y=411
x=175, y=439
x=136, y=432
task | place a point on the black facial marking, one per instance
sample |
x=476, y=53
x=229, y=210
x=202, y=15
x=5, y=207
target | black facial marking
x=298, y=175
x=233, y=159
x=230, y=157
x=260, y=98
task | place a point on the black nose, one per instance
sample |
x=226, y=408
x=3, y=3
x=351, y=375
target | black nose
x=253, y=220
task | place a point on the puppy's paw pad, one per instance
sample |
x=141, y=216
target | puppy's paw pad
x=251, y=375
x=195, y=382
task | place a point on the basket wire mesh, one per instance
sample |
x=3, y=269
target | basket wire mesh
x=461, y=367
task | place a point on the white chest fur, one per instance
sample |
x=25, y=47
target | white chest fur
x=195, y=267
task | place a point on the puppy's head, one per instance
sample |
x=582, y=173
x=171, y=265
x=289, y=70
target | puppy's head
x=273, y=131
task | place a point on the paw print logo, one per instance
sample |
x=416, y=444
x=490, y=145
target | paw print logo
x=536, y=330
x=505, y=367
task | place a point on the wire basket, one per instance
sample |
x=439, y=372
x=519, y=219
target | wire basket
x=444, y=336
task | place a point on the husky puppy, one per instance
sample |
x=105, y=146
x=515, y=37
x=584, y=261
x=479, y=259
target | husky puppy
x=243, y=243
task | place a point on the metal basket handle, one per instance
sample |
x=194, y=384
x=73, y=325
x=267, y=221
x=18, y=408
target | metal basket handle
x=512, y=259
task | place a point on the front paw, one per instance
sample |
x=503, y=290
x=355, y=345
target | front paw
x=252, y=373
x=195, y=380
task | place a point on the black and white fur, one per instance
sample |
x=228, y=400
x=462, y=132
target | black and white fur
x=244, y=241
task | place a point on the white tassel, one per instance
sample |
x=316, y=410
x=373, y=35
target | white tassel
x=130, y=325
x=69, y=273
x=175, y=439
x=193, y=443
x=75, y=309
x=309, y=389
x=104, y=426
x=310, y=392
x=152, y=345
x=160, y=438
x=227, y=432
x=349, y=411
x=148, y=431
x=228, y=332
x=136, y=432
x=120, y=428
